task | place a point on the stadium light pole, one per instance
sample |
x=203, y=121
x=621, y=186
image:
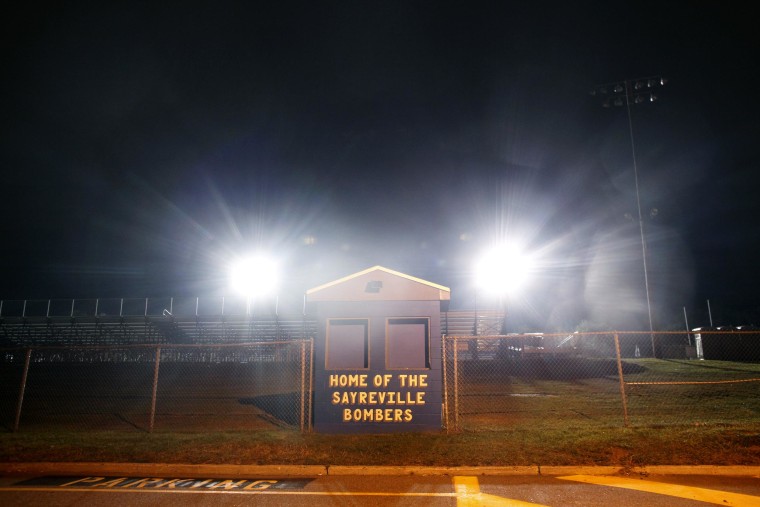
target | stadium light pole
x=634, y=91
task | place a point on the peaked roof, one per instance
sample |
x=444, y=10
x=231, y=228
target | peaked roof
x=379, y=283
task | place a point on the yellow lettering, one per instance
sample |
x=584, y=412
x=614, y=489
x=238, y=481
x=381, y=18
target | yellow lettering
x=421, y=398
x=423, y=380
x=335, y=397
x=390, y=415
x=348, y=380
x=392, y=398
x=402, y=380
x=363, y=398
x=381, y=397
x=377, y=380
x=372, y=398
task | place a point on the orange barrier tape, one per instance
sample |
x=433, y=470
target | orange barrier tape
x=691, y=383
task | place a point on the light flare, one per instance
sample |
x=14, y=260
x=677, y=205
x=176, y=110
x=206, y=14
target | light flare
x=503, y=270
x=253, y=276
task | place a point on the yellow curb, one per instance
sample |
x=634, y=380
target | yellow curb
x=283, y=471
x=580, y=470
x=737, y=470
x=430, y=470
x=728, y=470
x=163, y=469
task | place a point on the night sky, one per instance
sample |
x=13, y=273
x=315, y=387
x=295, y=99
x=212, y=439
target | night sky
x=146, y=145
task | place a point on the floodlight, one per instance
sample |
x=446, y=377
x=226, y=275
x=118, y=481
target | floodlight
x=503, y=270
x=254, y=276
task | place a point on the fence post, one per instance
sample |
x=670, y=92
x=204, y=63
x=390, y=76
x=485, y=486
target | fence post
x=22, y=389
x=445, y=385
x=303, y=385
x=155, y=389
x=456, y=385
x=622, y=382
x=311, y=382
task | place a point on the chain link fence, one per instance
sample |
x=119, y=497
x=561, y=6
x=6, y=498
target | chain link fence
x=537, y=381
x=213, y=371
x=238, y=386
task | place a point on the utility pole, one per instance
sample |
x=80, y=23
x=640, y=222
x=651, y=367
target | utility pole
x=627, y=92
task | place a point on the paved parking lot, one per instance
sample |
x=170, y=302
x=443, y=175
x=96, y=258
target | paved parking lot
x=591, y=490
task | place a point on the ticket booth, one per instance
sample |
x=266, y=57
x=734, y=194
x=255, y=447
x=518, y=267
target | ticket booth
x=377, y=353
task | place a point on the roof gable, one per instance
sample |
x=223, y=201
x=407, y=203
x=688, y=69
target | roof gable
x=379, y=284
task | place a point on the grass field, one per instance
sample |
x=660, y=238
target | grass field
x=587, y=392
x=570, y=445
x=524, y=416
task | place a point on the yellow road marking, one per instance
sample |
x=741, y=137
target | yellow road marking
x=468, y=495
x=661, y=488
x=464, y=486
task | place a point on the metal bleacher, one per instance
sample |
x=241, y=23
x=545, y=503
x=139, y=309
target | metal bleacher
x=177, y=321
x=472, y=322
x=144, y=321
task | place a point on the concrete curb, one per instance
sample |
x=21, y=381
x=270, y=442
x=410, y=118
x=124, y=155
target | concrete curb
x=429, y=470
x=283, y=471
x=163, y=469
